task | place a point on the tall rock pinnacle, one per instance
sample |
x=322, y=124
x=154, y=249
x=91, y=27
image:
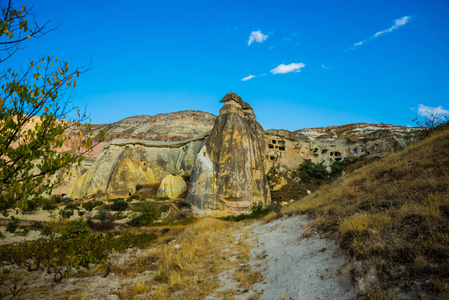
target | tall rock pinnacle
x=228, y=174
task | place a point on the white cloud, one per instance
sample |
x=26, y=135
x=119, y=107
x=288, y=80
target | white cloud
x=427, y=111
x=397, y=23
x=324, y=67
x=257, y=36
x=283, y=69
x=248, y=77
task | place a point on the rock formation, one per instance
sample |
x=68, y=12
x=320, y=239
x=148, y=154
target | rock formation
x=228, y=174
x=171, y=187
x=226, y=166
x=170, y=127
x=126, y=163
x=327, y=145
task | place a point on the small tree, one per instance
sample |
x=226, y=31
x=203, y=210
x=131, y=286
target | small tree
x=430, y=124
x=34, y=104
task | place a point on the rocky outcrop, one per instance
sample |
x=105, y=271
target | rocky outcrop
x=349, y=141
x=175, y=126
x=126, y=163
x=228, y=175
x=171, y=187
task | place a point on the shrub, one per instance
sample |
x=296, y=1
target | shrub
x=133, y=197
x=29, y=206
x=310, y=170
x=73, y=206
x=106, y=219
x=73, y=229
x=67, y=200
x=66, y=213
x=56, y=199
x=89, y=206
x=12, y=224
x=145, y=214
x=430, y=124
x=119, y=205
x=257, y=211
x=49, y=204
x=336, y=169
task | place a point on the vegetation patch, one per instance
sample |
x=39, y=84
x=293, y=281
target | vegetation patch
x=257, y=211
x=69, y=245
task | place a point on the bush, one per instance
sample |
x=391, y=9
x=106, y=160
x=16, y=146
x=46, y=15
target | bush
x=257, y=211
x=89, y=206
x=310, y=170
x=430, y=124
x=73, y=206
x=49, y=204
x=336, y=169
x=133, y=197
x=12, y=225
x=106, y=219
x=73, y=229
x=29, y=206
x=145, y=214
x=66, y=213
x=119, y=205
x=56, y=199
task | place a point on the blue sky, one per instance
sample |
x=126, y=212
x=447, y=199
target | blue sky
x=316, y=63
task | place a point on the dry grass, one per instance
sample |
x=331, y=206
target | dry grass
x=188, y=265
x=393, y=215
x=246, y=277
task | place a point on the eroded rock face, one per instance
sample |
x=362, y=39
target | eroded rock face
x=228, y=175
x=171, y=187
x=327, y=145
x=170, y=127
x=125, y=163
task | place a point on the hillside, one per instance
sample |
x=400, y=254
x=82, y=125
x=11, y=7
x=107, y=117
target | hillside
x=392, y=216
x=353, y=129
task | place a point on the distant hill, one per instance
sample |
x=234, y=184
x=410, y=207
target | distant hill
x=354, y=129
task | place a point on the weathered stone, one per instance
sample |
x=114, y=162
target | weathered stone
x=229, y=97
x=228, y=175
x=170, y=127
x=281, y=184
x=171, y=187
x=291, y=148
x=125, y=163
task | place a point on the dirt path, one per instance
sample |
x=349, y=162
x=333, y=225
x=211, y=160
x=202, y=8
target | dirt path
x=292, y=266
x=295, y=267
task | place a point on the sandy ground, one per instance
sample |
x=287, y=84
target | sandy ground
x=292, y=266
x=295, y=267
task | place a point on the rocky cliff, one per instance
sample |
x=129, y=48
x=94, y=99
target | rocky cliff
x=327, y=145
x=175, y=126
x=228, y=174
